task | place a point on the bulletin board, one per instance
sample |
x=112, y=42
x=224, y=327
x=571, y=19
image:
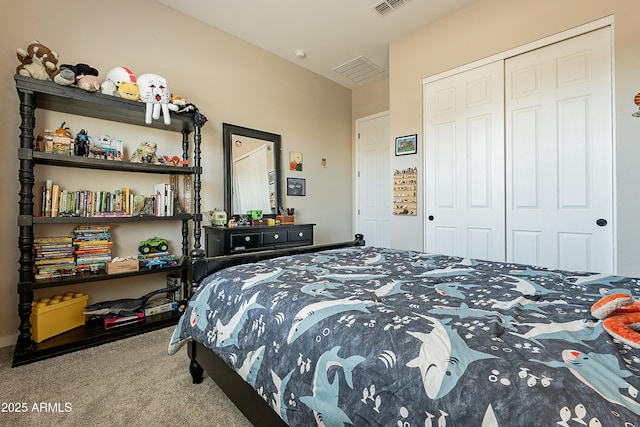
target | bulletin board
x=405, y=192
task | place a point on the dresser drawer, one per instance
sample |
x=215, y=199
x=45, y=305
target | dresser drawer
x=227, y=241
x=300, y=235
x=245, y=240
x=270, y=237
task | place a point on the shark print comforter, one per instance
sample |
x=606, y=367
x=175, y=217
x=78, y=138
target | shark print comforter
x=378, y=337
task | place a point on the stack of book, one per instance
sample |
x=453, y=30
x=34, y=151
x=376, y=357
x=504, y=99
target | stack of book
x=93, y=247
x=54, y=257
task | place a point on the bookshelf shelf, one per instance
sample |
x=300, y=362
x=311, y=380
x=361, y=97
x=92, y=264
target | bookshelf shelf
x=107, y=219
x=96, y=277
x=40, y=94
x=102, y=164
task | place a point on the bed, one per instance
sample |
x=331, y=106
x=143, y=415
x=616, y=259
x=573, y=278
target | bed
x=357, y=335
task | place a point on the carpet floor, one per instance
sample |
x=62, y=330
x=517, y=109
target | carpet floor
x=127, y=382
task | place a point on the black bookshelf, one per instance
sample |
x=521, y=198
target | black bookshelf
x=36, y=94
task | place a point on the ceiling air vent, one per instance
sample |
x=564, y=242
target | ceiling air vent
x=358, y=69
x=387, y=6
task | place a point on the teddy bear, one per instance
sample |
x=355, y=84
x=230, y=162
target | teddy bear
x=37, y=61
x=620, y=315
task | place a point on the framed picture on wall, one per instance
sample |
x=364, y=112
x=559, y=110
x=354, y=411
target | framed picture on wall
x=407, y=144
x=296, y=187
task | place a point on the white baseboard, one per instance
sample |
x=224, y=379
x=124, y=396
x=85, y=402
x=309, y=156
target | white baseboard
x=8, y=340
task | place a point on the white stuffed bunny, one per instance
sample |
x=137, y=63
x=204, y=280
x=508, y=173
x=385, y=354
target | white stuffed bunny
x=154, y=92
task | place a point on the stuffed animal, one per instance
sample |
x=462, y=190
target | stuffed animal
x=114, y=79
x=621, y=317
x=129, y=90
x=38, y=61
x=154, y=92
x=87, y=78
x=83, y=75
x=180, y=105
x=65, y=75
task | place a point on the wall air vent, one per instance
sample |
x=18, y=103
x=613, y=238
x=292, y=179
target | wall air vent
x=385, y=7
x=358, y=69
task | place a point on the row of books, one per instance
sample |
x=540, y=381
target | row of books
x=167, y=199
x=84, y=203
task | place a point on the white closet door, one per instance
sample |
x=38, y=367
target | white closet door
x=559, y=155
x=464, y=164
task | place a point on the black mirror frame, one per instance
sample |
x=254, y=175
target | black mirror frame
x=227, y=131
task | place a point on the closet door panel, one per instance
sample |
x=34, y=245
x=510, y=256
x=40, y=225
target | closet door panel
x=559, y=155
x=464, y=164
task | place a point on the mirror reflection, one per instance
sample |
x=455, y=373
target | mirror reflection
x=252, y=174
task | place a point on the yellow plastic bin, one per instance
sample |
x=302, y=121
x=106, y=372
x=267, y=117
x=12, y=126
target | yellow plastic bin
x=58, y=314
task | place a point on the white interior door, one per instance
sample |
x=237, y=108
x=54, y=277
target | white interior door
x=374, y=181
x=559, y=155
x=464, y=164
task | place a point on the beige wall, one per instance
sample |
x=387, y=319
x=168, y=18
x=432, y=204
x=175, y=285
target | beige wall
x=371, y=98
x=488, y=27
x=228, y=79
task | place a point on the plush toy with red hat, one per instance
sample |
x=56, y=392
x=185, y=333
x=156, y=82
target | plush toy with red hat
x=620, y=314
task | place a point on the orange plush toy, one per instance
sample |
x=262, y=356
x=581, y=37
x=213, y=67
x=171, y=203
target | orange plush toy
x=621, y=317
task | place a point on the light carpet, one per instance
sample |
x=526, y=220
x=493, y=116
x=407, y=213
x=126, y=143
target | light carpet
x=127, y=382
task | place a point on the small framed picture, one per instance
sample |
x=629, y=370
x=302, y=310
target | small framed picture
x=407, y=144
x=296, y=187
x=295, y=163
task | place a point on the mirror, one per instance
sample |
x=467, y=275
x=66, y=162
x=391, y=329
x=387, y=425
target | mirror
x=252, y=174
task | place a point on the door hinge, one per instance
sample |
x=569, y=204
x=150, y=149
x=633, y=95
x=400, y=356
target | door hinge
x=358, y=211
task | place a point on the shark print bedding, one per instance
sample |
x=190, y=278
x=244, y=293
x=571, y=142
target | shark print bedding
x=381, y=337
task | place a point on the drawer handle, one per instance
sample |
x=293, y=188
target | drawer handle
x=247, y=238
x=275, y=236
x=300, y=234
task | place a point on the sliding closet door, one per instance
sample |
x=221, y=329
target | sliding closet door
x=464, y=164
x=559, y=155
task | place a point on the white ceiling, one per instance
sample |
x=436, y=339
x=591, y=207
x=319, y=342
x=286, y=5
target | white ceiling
x=330, y=32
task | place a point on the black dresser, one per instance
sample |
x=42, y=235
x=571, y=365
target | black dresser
x=228, y=241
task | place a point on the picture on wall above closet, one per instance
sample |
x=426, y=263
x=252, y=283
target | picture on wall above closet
x=406, y=145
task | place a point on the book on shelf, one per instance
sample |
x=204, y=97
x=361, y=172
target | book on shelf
x=55, y=200
x=48, y=188
x=182, y=193
x=164, y=203
x=159, y=305
x=54, y=239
